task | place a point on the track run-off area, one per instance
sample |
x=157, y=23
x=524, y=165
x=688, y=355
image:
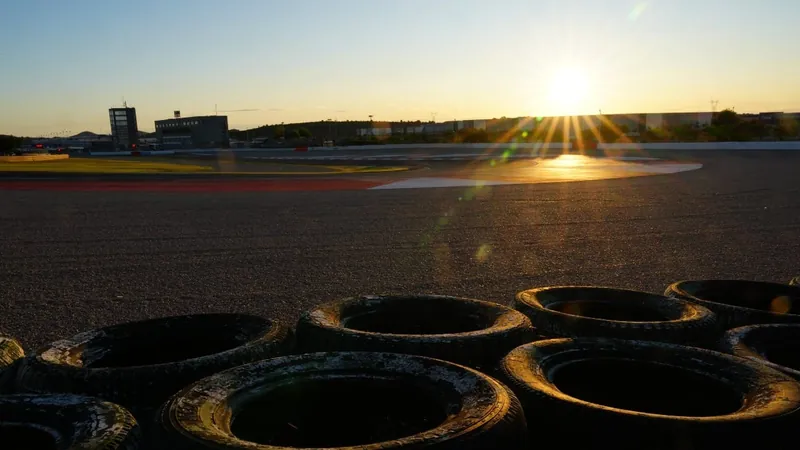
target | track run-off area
x=85, y=251
x=216, y=173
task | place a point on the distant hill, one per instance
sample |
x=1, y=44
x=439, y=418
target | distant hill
x=85, y=135
x=320, y=129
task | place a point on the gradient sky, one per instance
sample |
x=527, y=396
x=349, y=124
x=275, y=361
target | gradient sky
x=67, y=62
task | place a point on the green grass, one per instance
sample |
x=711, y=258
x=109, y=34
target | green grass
x=162, y=166
x=99, y=166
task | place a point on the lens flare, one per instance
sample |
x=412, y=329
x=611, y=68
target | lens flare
x=637, y=11
x=483, y=252
x=781, y=304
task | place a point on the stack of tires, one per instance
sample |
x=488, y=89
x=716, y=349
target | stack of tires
x=102, y=389
x=372, y=372
x=626, y=369
x=710, y=364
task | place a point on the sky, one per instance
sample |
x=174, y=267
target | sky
x=66, y=63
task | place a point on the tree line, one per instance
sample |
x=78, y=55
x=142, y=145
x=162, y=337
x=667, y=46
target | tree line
x=726, y=125
x=9, y=144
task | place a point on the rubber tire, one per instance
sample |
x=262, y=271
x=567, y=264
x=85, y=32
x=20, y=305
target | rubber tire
x=482, y=413
x=11, y=354
x=76, y=422
x=498, y=329
x=686, y=323
x=731, y=315
x=67, y=366
x=557, y=420
x=754, y=342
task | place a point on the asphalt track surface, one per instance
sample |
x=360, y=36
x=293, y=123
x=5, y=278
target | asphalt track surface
x=71, y=261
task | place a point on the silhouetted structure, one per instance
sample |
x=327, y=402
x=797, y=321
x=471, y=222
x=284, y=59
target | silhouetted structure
x=124, y=129
x=193, y=132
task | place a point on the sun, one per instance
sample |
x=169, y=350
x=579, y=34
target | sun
x=568, y=89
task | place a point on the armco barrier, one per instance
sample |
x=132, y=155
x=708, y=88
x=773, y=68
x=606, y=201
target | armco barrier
x=158, y=152
x=110, y=153
x=698, y=146
x=526, y=146
x=522, y=145
x=136, y=153
x=690, y=146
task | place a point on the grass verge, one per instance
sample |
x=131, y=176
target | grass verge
x=103, y=166
x=124, y=166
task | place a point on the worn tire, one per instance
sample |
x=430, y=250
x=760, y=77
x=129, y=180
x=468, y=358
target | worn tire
x=595, y=393
x=139, y=365
x=775, y=345
x=11, y=354
x=65, y=421
x=576, y=311
x=345, y=400
x=738, y=302
x=475, y=333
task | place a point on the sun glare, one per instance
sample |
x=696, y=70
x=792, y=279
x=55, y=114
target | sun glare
x=566, y=161
x=568, y=90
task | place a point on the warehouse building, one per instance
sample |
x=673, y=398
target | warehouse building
x=193, y=132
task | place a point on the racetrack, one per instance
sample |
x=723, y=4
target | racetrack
x=78, y=260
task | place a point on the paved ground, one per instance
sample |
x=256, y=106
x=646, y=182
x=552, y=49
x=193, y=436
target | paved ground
x=76, y=260
x=257, y=175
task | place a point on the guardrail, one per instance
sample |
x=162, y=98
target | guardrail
x=691, y=146
x=423, y=146
x=135, y=153
x=697, y=146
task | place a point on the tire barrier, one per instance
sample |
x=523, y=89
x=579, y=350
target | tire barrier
x=65, y=421
x=139, y=365
x=573, y=311
x=354, y=400
x=774, y=345
x=596, y=393
x=421, y=371
x=471, y=332
x=11, y=354
x=738, y=302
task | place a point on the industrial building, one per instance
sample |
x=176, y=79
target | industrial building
x=673, y=120
x=193, y=132
x=124, y=129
